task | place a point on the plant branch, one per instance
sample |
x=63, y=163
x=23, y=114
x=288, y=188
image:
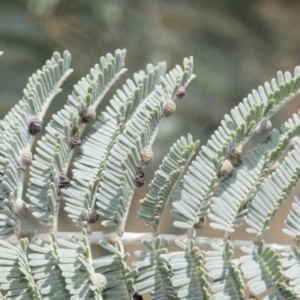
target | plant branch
x=136, y=238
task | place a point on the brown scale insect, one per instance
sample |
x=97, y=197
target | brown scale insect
x=180, y=93
x=263, y=126
x=236, y=152
x=139, y=179
x=136, y=296
x=63, y=181
x=88, y=115
x=169, y=108
x=91, y=216
x=20, y=208
x=35, y=125
x=25, y=158
x=75, y=141
x=226, y=168
x=146, y=155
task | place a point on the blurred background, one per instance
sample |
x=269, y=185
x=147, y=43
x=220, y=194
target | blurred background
x=236, y=45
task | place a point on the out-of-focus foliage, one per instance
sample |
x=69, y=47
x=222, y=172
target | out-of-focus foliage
x=235, y=43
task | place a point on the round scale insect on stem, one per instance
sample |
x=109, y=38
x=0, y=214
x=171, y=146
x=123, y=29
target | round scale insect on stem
x=136, y=296
x=139, y=179
x=200, y=223
x=88, y=115
x=91, y=216
x=236, y=152
x=63, y=181
x=169, y=108
x=226, y=168
x=35, y=125
x=20, y=208
x=25, y=158
x=75, y=141
x=146, y=155
x=180, y=93
x=263, y=126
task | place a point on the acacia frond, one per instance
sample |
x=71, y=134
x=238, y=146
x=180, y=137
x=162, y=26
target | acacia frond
x=291, y=269
x=16, y=277
x=93, y=153
x=189, y=278
x=227, y=280
x=273, y=192
x=154, y=274
x=263, y=266
x=117, y=185
x=245, y=120
x=124, y=162
x=82, y=281
x=9, y=215
x=55, y=150
x=40, y=90
x=120, y=279
x=108, y=170
x=16, y=139
x=292, y=221
x=229, y=207
x=166, y=179
x=44, y=262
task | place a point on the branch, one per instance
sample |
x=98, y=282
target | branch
x=130, y=238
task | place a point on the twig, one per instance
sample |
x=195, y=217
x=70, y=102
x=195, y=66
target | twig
x=135, y=238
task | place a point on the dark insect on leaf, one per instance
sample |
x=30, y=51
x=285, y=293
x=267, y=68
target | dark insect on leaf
x=139, y=179
x=88, y=115
x=63, y=181
x=35, y=125
x=136, y=296
x=75, y=141
x=180, y=92
x=92, y=216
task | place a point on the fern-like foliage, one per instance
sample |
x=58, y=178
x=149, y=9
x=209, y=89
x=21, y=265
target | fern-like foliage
x=154, y=272
x=76, y=264
x=120, y=278
x=273, y=193
x=96, y=148
x=165, y=179
x=17, y=137
x=256, y=165
x=245, y=179
x=189, y=277
x=292, y=224
x=248, y=117
x=227, y=280
x=56, y=150
x=16, y=277
x=262, y=265
x=123, y=164
x=291, y=268
x=44, y=262
x=221, y=182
